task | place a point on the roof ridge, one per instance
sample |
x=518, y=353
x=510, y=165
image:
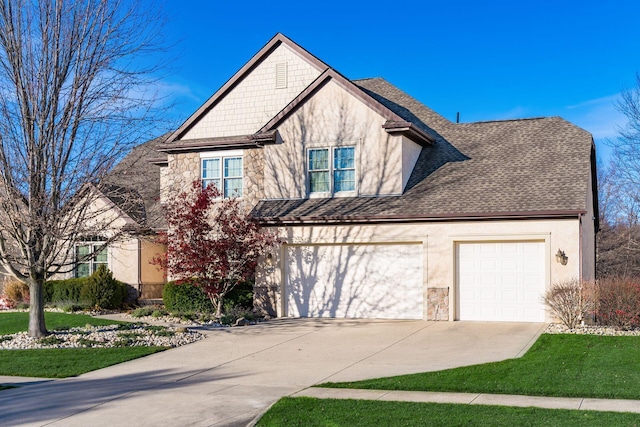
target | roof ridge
x=507, y=120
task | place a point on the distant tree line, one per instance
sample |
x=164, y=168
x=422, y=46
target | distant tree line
x=618, y=242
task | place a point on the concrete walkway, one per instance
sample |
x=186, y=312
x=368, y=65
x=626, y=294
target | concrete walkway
x=235, y=374
x=584, y=404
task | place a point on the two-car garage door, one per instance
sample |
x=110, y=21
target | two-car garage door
x=354, y=281
x=501, y=281
x=496, y=281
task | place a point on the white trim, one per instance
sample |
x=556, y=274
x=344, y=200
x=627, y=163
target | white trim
x=221, y=156
x=330, y=147
x=221, y=153
x=91, y=261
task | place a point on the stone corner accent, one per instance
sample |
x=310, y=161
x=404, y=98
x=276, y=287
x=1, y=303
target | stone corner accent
x=438, y=304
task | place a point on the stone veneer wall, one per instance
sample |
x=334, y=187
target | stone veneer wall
x=253, y=162
x=184, y=168
x=438, y=304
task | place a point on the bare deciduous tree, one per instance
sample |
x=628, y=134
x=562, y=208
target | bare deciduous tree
x=73, y=98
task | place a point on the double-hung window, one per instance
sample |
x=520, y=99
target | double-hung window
x=331, y=170
x=90, y=256
x=225, y=173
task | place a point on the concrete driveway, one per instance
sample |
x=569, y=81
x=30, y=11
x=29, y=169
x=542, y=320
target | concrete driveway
x=236, y=373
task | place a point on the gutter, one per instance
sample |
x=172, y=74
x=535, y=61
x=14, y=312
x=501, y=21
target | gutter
x=139, y=267
x=306, y=220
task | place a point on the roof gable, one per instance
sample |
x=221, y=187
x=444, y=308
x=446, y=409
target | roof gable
x=395, y=124
x=253, y=86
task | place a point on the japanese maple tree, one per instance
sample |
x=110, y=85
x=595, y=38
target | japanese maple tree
x=213, y=240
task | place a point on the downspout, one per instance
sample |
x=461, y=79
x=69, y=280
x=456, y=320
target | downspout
x=139, y=268
x=580, y=245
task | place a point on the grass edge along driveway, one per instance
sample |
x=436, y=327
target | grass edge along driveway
x=61, y=363
x=310, y=412
x=559, y=365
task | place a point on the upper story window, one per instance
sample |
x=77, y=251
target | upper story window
x=88, y=257
x=225, y=172
x=331, y=170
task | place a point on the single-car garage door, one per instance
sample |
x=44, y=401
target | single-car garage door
x=501, y=281
x=354, y=281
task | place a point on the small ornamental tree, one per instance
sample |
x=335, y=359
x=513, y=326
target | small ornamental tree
x=212, y=240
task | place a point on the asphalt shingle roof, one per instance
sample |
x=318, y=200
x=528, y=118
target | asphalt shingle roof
x=134, y=184
x=485, y=168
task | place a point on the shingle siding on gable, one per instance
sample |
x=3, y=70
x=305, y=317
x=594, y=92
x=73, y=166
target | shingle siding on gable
x=255, y=100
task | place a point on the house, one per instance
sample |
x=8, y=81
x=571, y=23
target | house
x=126, y=209
x=387, y=209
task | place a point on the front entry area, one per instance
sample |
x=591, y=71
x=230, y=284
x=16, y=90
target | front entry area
x=377, y=281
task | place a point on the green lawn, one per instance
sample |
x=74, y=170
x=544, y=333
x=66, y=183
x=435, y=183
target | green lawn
x=556, y=365
x=66, y=362
x=61, y=363
x=309, y=412
x=13, y=322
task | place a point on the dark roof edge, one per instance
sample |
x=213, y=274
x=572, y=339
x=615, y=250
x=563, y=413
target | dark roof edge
x=271, y=45
x=305, y=220
x=256, y=140
x=594, y=186
x=159, y=161
x=317, y=84
x=409, y=130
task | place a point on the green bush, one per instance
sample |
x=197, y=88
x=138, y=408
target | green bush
x=241, y=295
x=142, y=312
x=102, y=290
x=232, y=314
x=64, y=291
x=185, y=297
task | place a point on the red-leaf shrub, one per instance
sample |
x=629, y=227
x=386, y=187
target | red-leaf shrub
x=619, y=302
x=213, y=240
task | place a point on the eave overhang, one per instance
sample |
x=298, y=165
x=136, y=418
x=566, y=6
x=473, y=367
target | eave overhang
x=409, y=130
x=257, y=140
x=380, y=219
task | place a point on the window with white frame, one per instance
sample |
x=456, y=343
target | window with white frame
x=88, y=257
x=331, y=170
x=225, y=172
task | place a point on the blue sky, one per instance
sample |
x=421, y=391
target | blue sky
x=488, y=60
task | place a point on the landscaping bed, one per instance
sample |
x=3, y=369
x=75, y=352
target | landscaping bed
x=79, y=343
x=122, y=335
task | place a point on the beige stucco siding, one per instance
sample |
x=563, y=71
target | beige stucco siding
x=123, y=260
x=439, y=242
x=410, y=153
x=255, y=100
x=333, y=118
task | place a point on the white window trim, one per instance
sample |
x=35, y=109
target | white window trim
x=331, y=148
x=223, y=154
x=91, y=261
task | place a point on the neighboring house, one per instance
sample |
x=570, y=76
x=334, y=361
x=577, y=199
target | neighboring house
x=128, y=199
x=388, y=209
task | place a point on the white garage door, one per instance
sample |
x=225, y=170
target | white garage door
x=354, y=281
x=501, y=281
